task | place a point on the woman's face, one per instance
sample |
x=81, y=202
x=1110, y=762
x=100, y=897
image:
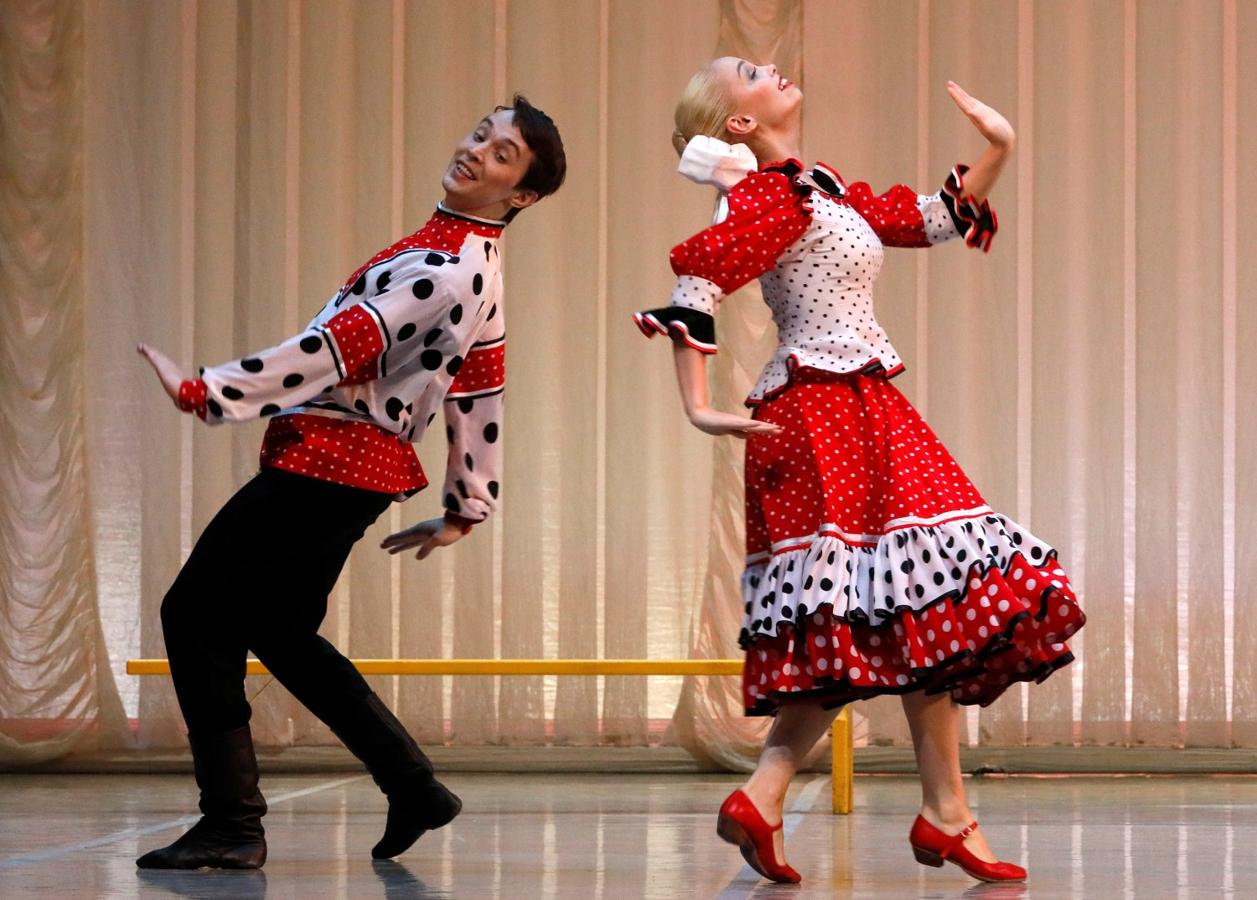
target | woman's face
x=486, y=167
x=762, y=97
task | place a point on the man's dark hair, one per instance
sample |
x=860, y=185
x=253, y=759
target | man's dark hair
x=549, y=163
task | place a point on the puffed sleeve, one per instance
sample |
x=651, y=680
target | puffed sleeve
x=767, y=213
x=903, y=218
x=416, y=318
x=473, y=426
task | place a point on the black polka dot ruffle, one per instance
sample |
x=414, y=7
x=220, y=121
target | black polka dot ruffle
x=904, y=572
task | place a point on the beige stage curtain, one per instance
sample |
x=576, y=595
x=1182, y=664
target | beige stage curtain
x=56, y=690
x=202, y=175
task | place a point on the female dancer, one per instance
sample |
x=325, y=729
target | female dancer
x=873, y=566
x=414, y=331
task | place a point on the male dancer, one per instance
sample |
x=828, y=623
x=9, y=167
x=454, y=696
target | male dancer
x=417, y=329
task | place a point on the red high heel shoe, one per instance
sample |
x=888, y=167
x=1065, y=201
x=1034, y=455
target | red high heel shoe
x=740, y=823
x=933, y=847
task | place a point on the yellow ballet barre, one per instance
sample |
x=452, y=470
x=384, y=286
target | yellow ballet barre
x=843, y=762
x=501, y=667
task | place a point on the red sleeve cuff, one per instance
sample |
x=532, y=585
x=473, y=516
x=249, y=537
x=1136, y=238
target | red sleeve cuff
x=460, y=522
x=193, y=396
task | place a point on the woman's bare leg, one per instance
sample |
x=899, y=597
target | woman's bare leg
x=794, y=732
x=935, y=724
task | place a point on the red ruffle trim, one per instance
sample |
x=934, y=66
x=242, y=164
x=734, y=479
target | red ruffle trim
x=1007, y=627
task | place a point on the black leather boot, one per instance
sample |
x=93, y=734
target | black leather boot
x=417, y=802
x=229, y=834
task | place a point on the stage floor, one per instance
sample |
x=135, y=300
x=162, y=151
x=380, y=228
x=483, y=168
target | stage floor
x=627, y=836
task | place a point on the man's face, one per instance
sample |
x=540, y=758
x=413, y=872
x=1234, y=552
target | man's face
x=487, y=165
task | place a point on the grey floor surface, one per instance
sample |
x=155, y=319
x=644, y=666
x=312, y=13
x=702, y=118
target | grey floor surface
x=627, y=836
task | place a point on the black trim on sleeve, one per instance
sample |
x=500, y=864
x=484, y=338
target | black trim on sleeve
x=330, y=341
x=388, y=338
x=695, y=328
x=455, y=398
x=975, y=221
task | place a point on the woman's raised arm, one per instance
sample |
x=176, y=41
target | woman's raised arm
x=1000, y=137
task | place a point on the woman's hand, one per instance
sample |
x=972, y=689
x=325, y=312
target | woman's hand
x=711, y=421
x=691, y=367
x=427, y=536
x=993, y=126
x=171, y=375
x=983, y=174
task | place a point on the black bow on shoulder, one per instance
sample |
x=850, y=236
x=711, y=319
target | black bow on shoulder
x=827, y=183
x=818, y=179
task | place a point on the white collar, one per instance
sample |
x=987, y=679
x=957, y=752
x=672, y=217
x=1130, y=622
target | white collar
x=470, y=218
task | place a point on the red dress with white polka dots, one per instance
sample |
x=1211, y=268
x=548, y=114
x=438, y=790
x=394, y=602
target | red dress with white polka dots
x=873, y=564
x=415, y=330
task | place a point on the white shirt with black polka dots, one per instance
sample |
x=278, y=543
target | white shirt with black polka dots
x=418, y=328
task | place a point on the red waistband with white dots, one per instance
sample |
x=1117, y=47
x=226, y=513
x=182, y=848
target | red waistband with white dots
x=355, y=454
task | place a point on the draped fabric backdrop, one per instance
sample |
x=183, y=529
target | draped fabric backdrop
x=202, y=175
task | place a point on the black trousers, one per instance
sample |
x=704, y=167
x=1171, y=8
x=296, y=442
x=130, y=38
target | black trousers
x=258, y=579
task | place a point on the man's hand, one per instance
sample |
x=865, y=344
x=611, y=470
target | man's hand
x=171, y=375
x=427, y=536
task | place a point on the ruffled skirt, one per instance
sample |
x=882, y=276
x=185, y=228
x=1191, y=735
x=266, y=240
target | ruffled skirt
x=874, y=566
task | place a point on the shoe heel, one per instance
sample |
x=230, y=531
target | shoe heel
x=926, y=858
x=731, y=832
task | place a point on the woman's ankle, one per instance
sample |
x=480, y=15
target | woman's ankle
x=950, y=815
x=767, y=796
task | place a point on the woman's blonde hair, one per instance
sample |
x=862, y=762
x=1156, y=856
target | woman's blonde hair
x=704, y=108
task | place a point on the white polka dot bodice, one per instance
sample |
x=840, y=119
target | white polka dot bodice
x=816, y=245
x=821, y=296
